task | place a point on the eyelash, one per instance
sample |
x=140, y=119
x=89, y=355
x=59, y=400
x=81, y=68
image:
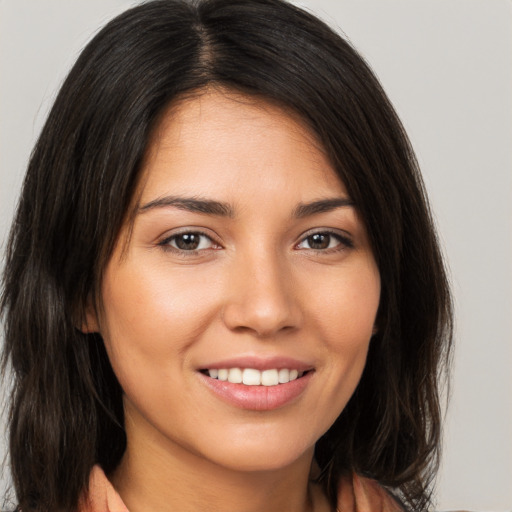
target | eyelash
x=165, y=244
x=344, y=242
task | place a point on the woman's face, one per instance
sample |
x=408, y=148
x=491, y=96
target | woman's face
x=246, y=262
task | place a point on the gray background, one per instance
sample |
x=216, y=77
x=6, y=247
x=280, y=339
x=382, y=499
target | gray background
x=447, y=67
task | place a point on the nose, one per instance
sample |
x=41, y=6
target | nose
x=261, y=297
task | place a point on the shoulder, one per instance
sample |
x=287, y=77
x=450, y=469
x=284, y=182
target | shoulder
x=358, y=494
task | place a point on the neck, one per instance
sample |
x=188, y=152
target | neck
x=150, y=478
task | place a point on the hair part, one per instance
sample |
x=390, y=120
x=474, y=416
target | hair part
x=66, y=409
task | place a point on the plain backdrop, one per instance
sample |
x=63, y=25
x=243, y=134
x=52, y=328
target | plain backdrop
x=447, y=67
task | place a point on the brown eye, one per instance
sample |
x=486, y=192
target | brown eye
x=325, y=240
x=189, y=241
x=319, y=241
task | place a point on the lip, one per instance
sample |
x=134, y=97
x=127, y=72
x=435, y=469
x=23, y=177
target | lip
x=258, y=398
x=259, y=363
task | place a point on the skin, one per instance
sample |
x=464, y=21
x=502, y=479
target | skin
x=255, y=286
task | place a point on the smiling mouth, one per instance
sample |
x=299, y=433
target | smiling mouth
x=254, y=377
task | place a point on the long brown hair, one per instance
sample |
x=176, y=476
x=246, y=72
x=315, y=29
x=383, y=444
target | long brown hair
x=66, y=412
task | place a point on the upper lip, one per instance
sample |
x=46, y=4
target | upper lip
x=259, y=363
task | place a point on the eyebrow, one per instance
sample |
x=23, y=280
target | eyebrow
x=218, y=208
x=321, y=206
x=190, y=204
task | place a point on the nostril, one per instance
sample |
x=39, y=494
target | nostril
x=261, y=320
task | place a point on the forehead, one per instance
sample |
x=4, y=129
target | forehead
x=218, y=141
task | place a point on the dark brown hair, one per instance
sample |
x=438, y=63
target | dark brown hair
x=66, y=412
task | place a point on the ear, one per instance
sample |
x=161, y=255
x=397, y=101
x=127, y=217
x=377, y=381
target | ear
x=89, y=323
x=375, y=329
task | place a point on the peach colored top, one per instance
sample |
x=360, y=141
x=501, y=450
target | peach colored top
x=356, y=494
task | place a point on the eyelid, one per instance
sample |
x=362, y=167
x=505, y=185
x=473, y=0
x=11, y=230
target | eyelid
x=164, y=241
x=344, y=238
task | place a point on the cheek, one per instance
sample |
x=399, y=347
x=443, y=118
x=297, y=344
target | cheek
x=348, y=311
x=345, y=321
x=150, y=297
x=151, y=315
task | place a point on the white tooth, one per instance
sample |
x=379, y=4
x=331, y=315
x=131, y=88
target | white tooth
x=223, y=374
x=235, y=376
x=300, y=374
x=293, y=374
x=270, y=378
x=251, y=377
x=284, y=376
x=213, y=373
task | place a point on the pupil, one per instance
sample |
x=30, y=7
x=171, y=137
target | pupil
x=319, y=241
x=188, y=241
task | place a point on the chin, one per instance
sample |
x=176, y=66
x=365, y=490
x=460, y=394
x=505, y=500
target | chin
x=263, y=462
x=262, y=454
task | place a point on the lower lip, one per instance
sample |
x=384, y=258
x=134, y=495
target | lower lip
x=258, y=398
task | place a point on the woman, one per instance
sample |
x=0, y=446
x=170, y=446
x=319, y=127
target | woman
x=223, y=288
